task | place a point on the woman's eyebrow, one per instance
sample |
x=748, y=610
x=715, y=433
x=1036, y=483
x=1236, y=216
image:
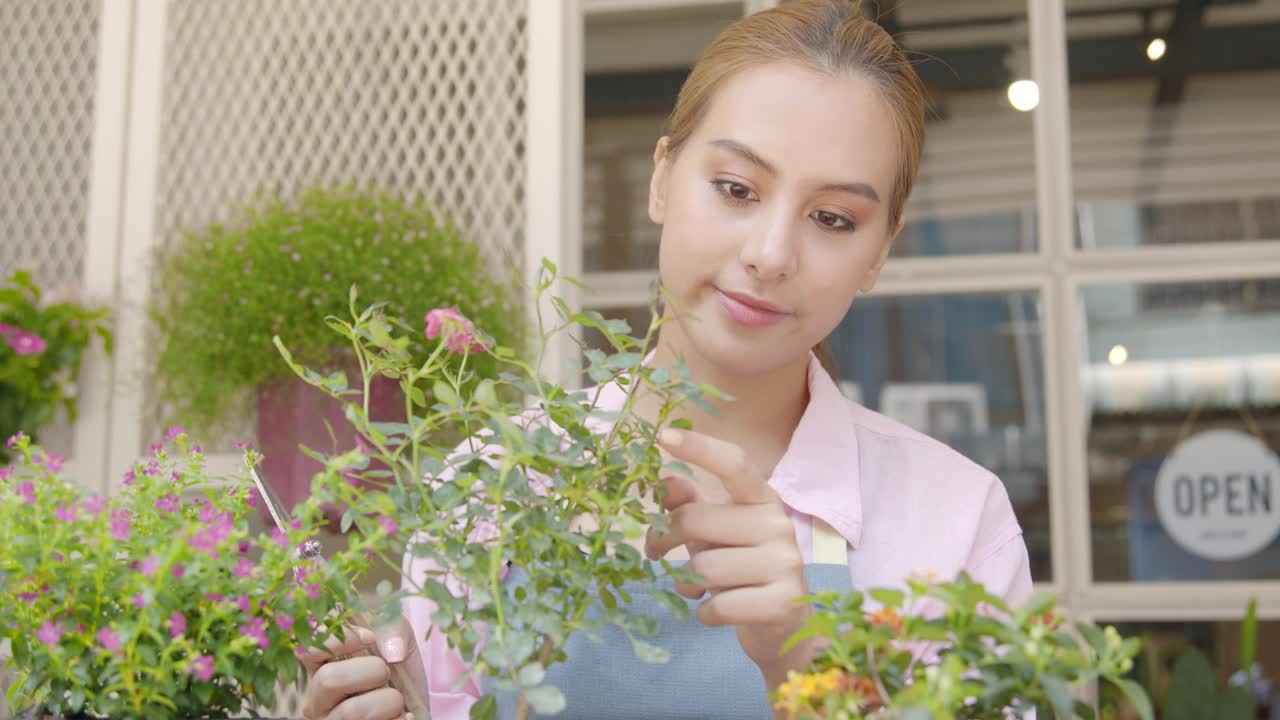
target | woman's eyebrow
x=854, y=188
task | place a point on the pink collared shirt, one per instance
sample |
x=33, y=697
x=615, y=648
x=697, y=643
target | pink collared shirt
x=905, y=503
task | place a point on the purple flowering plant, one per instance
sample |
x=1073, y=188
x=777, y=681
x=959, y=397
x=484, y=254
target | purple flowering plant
x=42, y=343
x=157, y=601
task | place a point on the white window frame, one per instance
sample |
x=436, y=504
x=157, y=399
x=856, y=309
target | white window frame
x=1057, y=271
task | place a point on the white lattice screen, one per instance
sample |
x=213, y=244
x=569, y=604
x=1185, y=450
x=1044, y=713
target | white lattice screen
x=424, y=98
x=48, y=49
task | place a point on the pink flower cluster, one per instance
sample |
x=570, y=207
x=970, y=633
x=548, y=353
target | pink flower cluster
x=457, y=332
x=218, y=530
x=22, y=342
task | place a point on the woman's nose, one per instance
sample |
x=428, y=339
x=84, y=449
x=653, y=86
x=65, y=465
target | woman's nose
x=770, y=253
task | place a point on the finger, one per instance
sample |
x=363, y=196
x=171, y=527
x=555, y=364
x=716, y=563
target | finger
x=741, y=479
x=762, y=604
x=680, y=490
x=356, y=640
x=726, y=568
x=381, y=704
x=719, y=525
x=693, y=591
x=395, y=641
x=337, y=681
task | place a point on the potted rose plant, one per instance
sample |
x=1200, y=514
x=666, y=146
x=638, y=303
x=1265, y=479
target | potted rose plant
x=42, y=343
x=520, y=495
x=157, y=602
x=279, y=267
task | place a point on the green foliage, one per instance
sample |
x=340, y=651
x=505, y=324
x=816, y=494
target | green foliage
x=983, y=658
x=544, y=460
x=1193, y=690
x=41, y=347
x=280, y=268
x=156, y=603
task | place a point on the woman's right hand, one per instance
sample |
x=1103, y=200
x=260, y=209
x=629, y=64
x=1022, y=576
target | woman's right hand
x=356, y=688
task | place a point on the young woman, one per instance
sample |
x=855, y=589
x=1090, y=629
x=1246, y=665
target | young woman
x=780, y=189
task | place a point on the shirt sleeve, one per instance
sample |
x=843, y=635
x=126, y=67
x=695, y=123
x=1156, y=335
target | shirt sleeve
x=998, y=557
x=451, y=689
x=1005, y=570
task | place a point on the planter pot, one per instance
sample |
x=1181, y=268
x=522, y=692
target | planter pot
x=292, y=414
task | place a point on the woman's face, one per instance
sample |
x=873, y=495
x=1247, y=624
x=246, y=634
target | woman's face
x=774, y=213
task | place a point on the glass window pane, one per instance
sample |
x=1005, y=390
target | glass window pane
x=635, y=63
x=1182, y=399
x=1166, y=643
x=967, y=370
x=976, y=189
x=1173, y=109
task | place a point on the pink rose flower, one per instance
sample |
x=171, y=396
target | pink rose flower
x=454, y=329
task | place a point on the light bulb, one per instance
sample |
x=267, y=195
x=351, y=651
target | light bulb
x=1119, y=355
x=1156, y=49
x=1024, y=95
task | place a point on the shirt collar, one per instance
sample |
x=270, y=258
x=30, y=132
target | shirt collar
x=818, y=474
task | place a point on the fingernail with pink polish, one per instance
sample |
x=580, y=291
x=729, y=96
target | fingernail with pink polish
x=393, y=650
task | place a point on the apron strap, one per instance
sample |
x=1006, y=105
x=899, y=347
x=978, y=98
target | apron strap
x=829, y=546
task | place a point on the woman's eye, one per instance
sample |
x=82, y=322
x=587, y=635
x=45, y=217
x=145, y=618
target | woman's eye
x=832, y=221
x=735, y=191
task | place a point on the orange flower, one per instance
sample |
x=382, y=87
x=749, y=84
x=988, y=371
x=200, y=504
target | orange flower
x=889, y=617
x=1050, y=621
x=866, y=692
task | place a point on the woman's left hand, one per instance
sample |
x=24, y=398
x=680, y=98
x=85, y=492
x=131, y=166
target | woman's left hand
x=744, y=545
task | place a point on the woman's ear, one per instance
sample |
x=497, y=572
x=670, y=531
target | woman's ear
x=869, y=280
x=658, y=182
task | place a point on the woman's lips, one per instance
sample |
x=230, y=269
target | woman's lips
x=750, y=311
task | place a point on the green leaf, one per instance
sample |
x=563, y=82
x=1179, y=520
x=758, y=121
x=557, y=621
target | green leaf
x=1085, y=710
x=1192, y=688
x=888, y=598
x=1249, y=636
x=545, y=699
x=1234, y=703
x=678, y=605
x=682, y=423
x=1040, y=602
x=485, y=394
x=418, y=397
x=532, y=675
x=1137, y=697
x=486, y=708
x=648, y=652
x=1059, y=696
x=444, y=393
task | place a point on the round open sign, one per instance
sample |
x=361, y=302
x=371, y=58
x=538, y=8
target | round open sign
x=1217, y=495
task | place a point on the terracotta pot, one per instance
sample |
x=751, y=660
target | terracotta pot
x=292, y=414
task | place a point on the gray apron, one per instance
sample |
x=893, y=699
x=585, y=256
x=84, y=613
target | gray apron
x=708, y=675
